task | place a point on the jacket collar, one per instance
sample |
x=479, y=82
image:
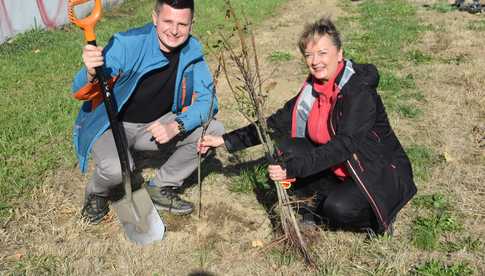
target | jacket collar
x=345, y=74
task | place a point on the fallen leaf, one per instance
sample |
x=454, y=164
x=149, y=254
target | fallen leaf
x=448, y=157
x=257, y=243
x=270, y=86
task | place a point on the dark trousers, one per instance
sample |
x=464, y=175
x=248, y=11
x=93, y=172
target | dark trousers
x=336, y=203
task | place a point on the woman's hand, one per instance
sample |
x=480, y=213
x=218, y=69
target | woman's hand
x=276, y=173
x=208, y=142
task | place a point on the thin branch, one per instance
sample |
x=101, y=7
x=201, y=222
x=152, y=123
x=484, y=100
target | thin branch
x=205, y=126
x=250, y=99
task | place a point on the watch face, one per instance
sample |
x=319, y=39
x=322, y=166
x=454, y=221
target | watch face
x=180, y=126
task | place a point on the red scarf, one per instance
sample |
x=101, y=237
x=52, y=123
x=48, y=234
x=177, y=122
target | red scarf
x=318, y=119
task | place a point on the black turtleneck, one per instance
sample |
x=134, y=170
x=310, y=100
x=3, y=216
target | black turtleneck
x=154, y=95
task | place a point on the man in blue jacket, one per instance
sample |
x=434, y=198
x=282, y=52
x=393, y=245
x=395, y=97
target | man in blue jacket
x=163, y=88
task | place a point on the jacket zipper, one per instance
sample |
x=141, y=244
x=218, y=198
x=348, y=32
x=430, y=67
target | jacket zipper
x=358, y=161
x=376, y=135
x=180, y=105
x=360, y=182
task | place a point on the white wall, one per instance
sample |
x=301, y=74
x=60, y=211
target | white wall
x=17, y=16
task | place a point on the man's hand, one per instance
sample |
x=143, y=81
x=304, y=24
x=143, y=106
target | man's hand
x=163, y=132
x=276, y=173
x=92, y=58
x=208, y=142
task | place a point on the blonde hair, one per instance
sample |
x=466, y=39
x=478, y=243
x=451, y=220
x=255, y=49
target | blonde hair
x=321, y=27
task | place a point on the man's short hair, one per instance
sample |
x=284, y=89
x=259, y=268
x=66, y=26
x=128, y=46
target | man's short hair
x=321, y=27
x=176, y=4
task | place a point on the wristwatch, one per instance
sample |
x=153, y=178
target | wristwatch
x=180, y=126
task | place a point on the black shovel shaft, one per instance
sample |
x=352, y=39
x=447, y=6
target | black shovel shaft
x=116, y=127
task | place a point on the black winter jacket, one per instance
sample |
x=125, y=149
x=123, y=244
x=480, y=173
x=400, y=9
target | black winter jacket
x=361, y=138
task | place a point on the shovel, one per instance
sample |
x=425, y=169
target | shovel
x=141, y=222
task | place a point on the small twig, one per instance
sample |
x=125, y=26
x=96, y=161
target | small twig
x=256, y=62
x=8, y=220
x=205, y=126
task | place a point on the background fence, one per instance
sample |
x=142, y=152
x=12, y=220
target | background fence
x=17, y=16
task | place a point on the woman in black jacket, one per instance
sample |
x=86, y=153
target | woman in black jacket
x=336, y=140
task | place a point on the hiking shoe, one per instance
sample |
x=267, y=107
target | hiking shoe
x=95, y=208
x=475, y=8
x=307, y=223
x=372, y=234
x=167, y=199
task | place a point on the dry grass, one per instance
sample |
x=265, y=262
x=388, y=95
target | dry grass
x=456, y=110
x=45, y=235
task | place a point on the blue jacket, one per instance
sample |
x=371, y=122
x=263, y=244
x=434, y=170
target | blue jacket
x=129, y=56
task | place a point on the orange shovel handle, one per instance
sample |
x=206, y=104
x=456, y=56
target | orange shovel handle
x=88, y=23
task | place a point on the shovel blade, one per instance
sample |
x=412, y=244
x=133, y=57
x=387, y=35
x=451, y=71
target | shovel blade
x=140, y=219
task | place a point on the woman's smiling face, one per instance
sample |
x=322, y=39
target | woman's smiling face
x=322, y=58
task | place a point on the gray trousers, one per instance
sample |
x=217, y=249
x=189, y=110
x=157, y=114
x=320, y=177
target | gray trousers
x=181, y=163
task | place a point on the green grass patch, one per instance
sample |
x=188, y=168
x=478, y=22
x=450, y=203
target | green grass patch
x=282, y=257
x=408, y=110
x=37, y=69
x=210, y=14
x=36, y=265
x=385, y=28
x=391, y=82
x=278, y=56
x=422, y=158
x=437, y=268
x=5, y=211
x=255, y=177
x=456, y=60
x=433, y=201
x=478, y=25
x=418, y=57
x=468, y=243
x=428, y=230
x=442, y=7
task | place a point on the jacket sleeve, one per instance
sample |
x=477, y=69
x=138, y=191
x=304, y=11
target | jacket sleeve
x=279, y=124
x=114, y=58
x=198, y=111
x=359, y=115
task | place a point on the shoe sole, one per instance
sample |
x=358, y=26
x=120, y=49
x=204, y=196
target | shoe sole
x=95, y=221
x=172, y=210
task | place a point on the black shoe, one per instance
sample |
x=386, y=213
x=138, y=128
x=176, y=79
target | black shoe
x=475, y=8
x=167, y=199
x=307, y=223
x=372, y=234
x=95, y=208
x=390, y=227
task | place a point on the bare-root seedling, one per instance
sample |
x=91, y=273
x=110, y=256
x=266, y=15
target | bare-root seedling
x=246, y=84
